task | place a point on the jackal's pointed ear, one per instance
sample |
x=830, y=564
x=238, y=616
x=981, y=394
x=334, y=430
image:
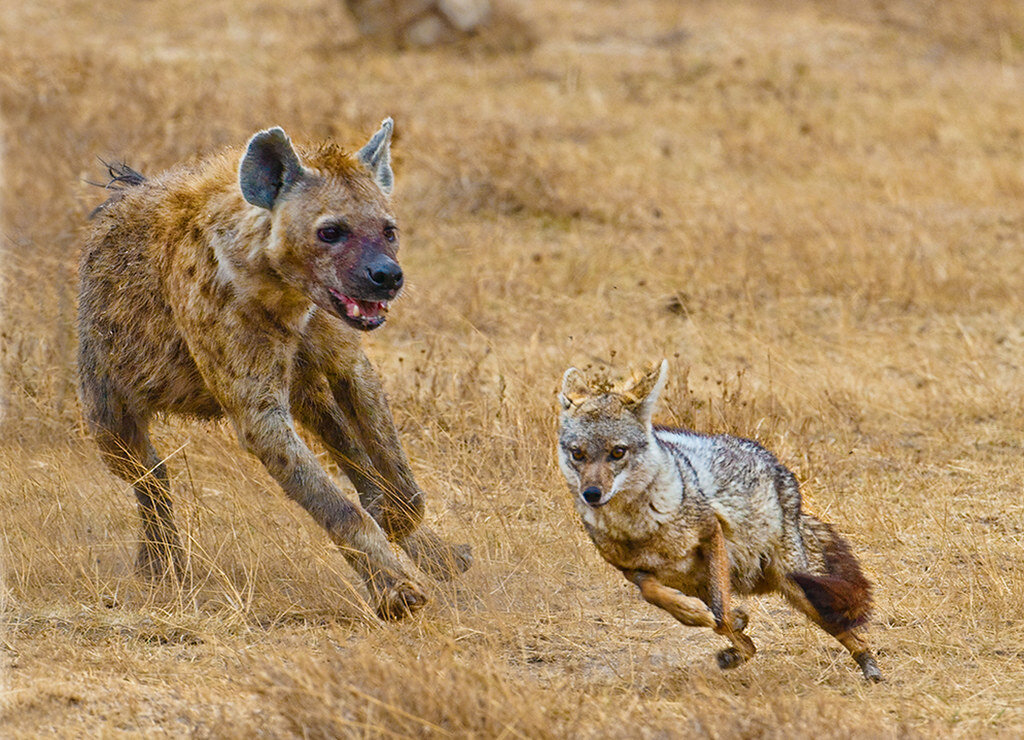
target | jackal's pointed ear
x=574, y=389
x=642, y=394
x=268, y=167
x=376, y=156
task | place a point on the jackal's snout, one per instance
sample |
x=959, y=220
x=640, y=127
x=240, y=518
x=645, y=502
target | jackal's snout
x=592, y=495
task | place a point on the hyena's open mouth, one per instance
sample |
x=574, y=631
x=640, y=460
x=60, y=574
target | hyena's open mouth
x=364, y=315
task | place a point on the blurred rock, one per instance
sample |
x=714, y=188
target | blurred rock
x=465, y=15
x=420, y=22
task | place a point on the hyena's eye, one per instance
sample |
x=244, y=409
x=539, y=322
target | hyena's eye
x=577, y=454
x=390, y=234
x=617, y=453
x=332, y=233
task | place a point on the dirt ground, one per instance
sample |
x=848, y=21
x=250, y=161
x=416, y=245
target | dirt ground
x=815, y=211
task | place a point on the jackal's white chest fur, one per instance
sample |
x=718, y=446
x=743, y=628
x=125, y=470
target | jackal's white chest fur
x=653, y=528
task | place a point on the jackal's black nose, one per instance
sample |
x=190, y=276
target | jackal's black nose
x=385, y=273
x=592, y=495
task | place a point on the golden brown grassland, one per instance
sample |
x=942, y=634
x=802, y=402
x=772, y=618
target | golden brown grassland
x=817, y=215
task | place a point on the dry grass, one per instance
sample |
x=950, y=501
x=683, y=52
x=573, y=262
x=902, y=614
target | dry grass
x=816, y=215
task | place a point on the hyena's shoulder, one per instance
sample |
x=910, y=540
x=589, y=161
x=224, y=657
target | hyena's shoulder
x=148, y=224
x=151, y=200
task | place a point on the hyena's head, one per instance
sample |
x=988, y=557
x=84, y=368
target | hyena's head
x=605, y=433
x=333, y=235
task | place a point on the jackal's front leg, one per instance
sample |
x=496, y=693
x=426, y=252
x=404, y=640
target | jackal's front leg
x=729, y=622
x=689, y=610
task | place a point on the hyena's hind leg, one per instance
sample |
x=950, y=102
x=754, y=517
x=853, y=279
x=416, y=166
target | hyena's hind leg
x=127, y=451
x=837, y=600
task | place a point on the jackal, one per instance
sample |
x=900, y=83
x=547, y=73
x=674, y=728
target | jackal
x=239, y=286
x=691, y=519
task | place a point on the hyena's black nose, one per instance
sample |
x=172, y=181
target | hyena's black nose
x=385, y=273
x=592, y=495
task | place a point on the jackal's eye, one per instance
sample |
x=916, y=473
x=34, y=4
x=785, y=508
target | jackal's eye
x=577, y=454
x=390, y=234
x=617, y=453
x=332, y=233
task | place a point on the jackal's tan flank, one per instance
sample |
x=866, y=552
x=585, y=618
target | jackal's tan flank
x=691, y=518
x=239, y=286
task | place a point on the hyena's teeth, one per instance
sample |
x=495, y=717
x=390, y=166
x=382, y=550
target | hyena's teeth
x=353, y=311
x=383, y=306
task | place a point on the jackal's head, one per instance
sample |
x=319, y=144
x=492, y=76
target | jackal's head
x=333, y=235
x=605, y=434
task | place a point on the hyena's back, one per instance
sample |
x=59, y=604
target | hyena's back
x=130, y=338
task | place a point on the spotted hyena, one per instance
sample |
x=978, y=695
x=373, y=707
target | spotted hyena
x=239, y=286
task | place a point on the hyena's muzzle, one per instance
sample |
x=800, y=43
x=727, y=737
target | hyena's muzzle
x=369, y=286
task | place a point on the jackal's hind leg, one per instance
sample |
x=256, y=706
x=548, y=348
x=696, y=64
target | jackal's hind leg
x=848, y=635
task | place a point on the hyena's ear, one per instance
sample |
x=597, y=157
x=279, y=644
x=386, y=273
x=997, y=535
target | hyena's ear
x=376, y=156
x=642, y=395
x=268, y=168
x=574, y=389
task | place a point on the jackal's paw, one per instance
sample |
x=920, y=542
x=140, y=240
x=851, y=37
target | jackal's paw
x=729, y=658
x=742, y=650
x=400, y=600
x=435, y=557
x=869, y=667
x=739, y=619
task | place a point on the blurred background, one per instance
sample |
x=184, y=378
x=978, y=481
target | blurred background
x=814, y=210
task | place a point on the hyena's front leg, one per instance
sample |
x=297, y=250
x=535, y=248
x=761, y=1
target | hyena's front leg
x=356, y=424
x=269, y=435
x=729, y=622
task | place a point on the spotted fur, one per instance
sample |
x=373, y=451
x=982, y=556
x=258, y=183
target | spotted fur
x=237, y=286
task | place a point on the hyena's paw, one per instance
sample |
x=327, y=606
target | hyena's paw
x=401, y=601
x=396, y=598
x=157, y=563
x=868, y=666
x=436, y=557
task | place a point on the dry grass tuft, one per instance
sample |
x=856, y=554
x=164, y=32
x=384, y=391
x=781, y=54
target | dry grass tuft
x=813, y=211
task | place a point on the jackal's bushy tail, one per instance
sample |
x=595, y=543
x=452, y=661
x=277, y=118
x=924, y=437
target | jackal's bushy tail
x=121, y=177
x=841, y=595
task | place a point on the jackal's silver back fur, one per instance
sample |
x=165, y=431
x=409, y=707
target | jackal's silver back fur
x=691, y=518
